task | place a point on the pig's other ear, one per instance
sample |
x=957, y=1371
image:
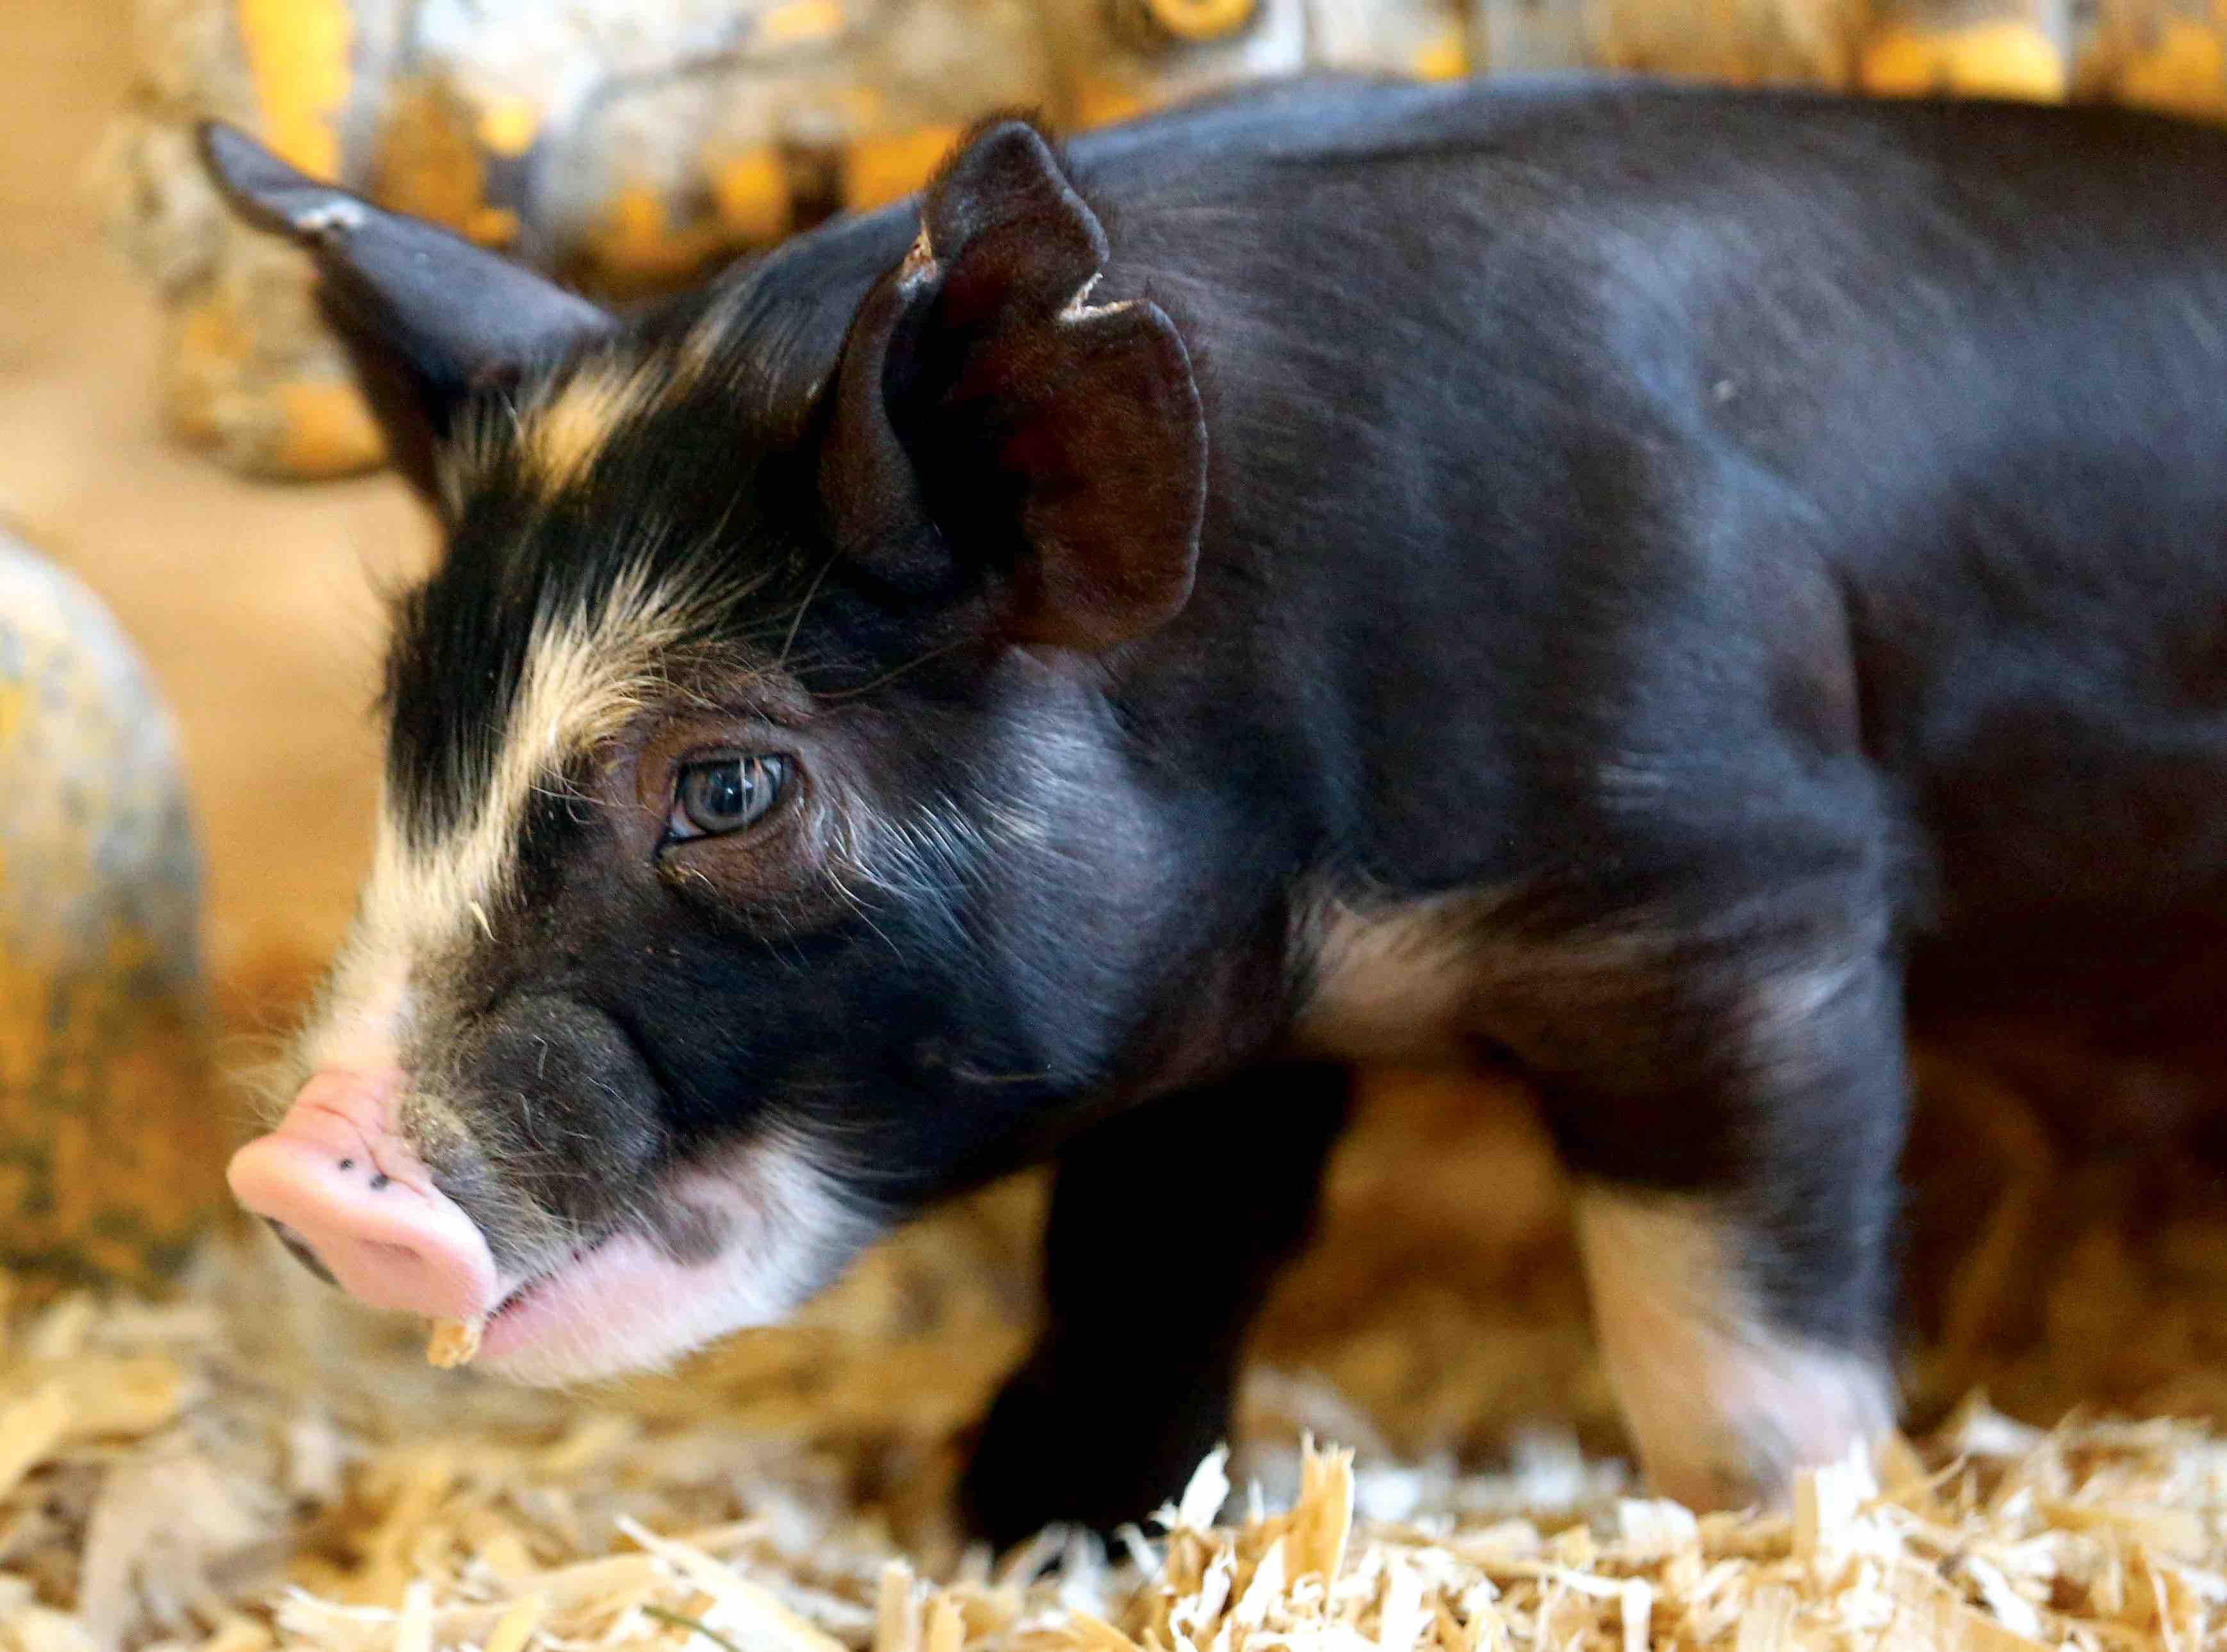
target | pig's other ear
x=1054, y=445
x=426, y=317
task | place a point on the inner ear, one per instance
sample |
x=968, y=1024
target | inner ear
x=1055, y=442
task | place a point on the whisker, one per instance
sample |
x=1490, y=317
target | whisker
x=810, y=591
x=890, y=676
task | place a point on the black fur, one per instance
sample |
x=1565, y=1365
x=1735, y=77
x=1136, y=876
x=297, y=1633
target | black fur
x=1765, y=549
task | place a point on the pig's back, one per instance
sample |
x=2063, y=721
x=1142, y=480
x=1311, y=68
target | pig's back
x=1573, y=425
x=1560, y=412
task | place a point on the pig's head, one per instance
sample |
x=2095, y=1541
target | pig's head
x=761, y=856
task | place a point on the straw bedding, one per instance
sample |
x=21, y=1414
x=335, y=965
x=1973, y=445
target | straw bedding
x=249, y=1464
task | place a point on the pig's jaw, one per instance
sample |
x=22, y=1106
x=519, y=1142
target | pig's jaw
x=628, y=1304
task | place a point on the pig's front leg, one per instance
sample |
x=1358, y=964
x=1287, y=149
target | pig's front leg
x=1734, y=1138
x=1167, y=1225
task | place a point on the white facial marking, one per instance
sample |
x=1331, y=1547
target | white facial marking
x=627, y=1306
x=1722, y=1406
x=560, y=436
x=586, y=676
x=356, y=1027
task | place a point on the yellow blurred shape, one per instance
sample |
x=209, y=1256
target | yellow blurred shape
x=2006, y=59
x=882, y=169
x=637, y=245
x=325, y=430
x=1445, y=57
x=209, y=345
x=751, y=189
x=1101, y=102
x=297, y=56
x=2185, y=73
x=508, y=125
x=802, y=22
x=1200, y=20
x=429, y=163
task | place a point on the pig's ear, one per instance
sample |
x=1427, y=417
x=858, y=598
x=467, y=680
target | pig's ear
x=426, y=317
x=1055, y=444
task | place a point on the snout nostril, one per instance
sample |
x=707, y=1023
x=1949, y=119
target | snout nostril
x=350, y=1198
x=301, y=1251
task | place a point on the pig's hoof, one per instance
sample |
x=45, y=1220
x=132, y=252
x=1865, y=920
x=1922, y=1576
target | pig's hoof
x=1080, y=1453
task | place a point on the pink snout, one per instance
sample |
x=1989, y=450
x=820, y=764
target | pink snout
x=339, y=1183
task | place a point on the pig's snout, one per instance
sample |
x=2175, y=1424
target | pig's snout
x=347, y=1194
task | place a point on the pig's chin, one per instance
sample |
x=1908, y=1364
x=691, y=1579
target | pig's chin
x=628, y=1304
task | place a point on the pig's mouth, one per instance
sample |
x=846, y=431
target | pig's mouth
x=526, y=1288
x=630, y=1300
x=737, y=1235
x=515, y=1321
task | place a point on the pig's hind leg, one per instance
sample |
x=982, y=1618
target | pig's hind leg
x=1167, y=1227
x=1733, y=1119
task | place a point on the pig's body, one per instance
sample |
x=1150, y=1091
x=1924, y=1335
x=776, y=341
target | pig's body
x=1916, y=406
x=1625, y=580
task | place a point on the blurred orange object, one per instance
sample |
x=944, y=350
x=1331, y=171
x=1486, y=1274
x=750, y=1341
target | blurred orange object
x=111, y=1139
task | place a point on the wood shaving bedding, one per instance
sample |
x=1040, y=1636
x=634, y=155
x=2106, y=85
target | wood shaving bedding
x=226, y=1509
x=453, y=1342
x=252, y=1466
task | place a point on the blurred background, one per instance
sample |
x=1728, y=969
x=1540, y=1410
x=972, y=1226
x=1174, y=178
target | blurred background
x=202, y=535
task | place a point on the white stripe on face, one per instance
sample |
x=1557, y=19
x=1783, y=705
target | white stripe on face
x=587, y=675
x=557, y=428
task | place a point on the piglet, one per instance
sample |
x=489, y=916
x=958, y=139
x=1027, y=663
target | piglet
x=1671, y=589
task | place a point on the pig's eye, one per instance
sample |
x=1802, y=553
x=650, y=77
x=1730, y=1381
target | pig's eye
x=724, y=794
